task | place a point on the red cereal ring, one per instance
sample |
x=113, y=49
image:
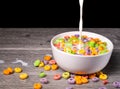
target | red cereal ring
x=57, y=77
x=51, y=62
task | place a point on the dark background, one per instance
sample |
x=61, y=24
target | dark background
x=58, y=13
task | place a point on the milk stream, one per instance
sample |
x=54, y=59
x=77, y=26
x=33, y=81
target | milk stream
x=80, y=22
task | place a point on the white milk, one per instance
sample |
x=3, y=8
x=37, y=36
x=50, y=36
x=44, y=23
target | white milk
x=20, y=61
x=81, y=21
x=2, y=61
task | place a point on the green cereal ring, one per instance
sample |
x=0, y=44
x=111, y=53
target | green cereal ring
x=59, y=40
x=96, y=45
x=103, y=51
x=42, y=74
x=66, y=75
x=67, y=44
x=92, y=44
x=36, y=63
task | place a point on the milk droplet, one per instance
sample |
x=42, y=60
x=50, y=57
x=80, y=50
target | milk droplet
x=2, y=61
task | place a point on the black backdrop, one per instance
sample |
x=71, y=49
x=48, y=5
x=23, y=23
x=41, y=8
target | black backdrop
x=96, y=14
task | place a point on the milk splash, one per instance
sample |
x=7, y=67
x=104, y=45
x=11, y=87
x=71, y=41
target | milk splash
x=2, y=61
x=80, y=22
x=20, y=61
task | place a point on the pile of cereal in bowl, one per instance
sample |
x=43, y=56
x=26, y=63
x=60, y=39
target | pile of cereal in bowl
x=89, y=45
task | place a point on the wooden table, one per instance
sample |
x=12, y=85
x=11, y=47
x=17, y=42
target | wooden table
x=29, y=44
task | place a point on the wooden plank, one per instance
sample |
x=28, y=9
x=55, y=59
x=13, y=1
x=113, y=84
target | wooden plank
x=13, y=81
x=40, y=37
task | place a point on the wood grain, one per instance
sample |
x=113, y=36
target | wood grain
x=29, y=44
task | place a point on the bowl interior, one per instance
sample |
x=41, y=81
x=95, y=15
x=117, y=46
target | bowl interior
x=89, y=34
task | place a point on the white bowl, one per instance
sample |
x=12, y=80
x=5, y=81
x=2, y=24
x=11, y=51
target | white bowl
x=81, y=64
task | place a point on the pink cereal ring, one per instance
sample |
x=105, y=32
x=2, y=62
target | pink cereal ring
x=51, y=62
x=57, y=77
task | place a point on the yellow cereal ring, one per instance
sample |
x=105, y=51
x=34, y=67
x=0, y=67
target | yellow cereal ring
x=54, y=67
x=47, y=67
x=37, y=86
x=100, y=48
x=23, y=76
x=81, y=51
x=41, y=64
x=103, y=76
x=17, y=69
x=65, y=75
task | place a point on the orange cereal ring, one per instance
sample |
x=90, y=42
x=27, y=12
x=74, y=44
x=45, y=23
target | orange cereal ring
x=92, y=76
x=84, y=80
x=54, y=67
x=6, y=72
x=99, y=73
x=57, y=77
x=78, y=82
x=10, y=69
x=77, y=77
x=37, y=86
x=47, y=57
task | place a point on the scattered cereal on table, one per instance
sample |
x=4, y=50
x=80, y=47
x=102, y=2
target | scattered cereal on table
x=105, y=82
x=51, y=62
x=37, y=86
x=57, y=77
x=54, y=67
x=47, y=67
x=103, y=76
x=37, y=62
x=42, y=74
x=92, y=76
x=116, y=84
x=71, y=81
x=23, y=76
x=41, y=64
x=95, y=79
x=102, y=88
x=47, y=57
x=66, y=75
x=44, y=80
x=8, y=71
x=69, y=88
x=18, y=70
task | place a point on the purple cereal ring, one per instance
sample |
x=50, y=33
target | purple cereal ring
x=85, y=40
x=44, y=80
x=71, y=81
x=76, y=35
x=45, y=62
x=95, y=79
x=116, y=84
x=69, y=88
x=102, y=88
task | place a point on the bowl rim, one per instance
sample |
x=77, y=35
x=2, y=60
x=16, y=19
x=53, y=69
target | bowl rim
x=51, y=42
